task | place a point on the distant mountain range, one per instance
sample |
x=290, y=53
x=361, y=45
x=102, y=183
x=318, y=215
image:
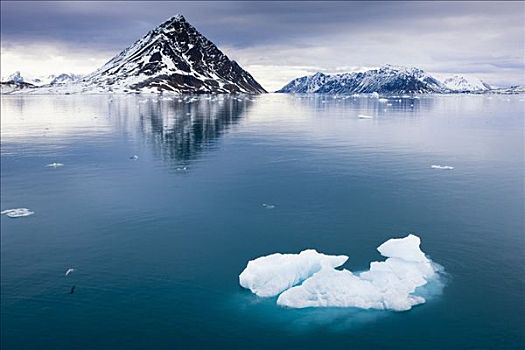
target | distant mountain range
x=59, y=79
x=388, y=79
x=173, y=57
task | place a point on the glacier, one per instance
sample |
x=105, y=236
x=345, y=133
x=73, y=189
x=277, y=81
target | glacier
x=387, y=285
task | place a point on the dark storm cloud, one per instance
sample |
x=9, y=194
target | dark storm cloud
x=113, y=24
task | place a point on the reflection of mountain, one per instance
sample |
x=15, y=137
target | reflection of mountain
x=350, y=105
x=179, y=131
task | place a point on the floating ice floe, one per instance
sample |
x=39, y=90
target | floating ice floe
x=17, y=213
x=364, y=116
x=268, y=206
x=387, y=285
x=268, y=276
x=442, y=167
x=68, y=271
x=54, y=165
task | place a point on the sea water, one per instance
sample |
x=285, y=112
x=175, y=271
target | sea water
x=157, y=241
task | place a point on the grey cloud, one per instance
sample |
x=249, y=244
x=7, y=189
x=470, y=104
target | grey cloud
x=325, y=34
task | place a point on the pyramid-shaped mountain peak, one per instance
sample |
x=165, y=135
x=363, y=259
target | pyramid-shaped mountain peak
x=174, y=57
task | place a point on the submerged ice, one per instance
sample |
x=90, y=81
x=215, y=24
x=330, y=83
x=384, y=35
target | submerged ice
x=387, y=285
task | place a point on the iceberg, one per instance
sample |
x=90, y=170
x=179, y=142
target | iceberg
x=17, y=213
x=442, y=167
x=269, y=275
x=387, y=285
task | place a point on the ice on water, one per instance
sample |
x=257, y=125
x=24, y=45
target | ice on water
x=269, y=275
x=387, y=285
x=442, y=167
x=16, y=213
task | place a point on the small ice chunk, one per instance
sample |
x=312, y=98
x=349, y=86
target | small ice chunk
x=54, y=165
x=364, y=116
x=406, y=248
x=442, y=167
x=16, y=213
x=269, y=275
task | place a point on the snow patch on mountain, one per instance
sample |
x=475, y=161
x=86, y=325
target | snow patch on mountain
x=460, y=83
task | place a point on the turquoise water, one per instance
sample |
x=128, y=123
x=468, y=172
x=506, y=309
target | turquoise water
x=158, y=242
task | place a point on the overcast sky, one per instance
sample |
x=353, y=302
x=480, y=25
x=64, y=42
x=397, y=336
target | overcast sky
x=278, y=41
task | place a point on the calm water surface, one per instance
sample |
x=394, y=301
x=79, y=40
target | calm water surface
x=158, y=242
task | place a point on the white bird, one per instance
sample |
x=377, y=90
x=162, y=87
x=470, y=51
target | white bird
x=362, y=116
x=268, y=206
x=69, y=271
x=55, y=165
x=135, y=157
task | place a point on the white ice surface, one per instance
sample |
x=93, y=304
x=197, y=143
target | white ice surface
x=442, y=167
x=387, y=285
x=269, y=275
x=16, y=213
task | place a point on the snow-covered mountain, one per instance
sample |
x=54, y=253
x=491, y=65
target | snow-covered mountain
x=459, y=83
x=173, y=57
x=15, y=78
x=53, y=79
x=308, y=84
x=64, y=78
x=386, y=79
